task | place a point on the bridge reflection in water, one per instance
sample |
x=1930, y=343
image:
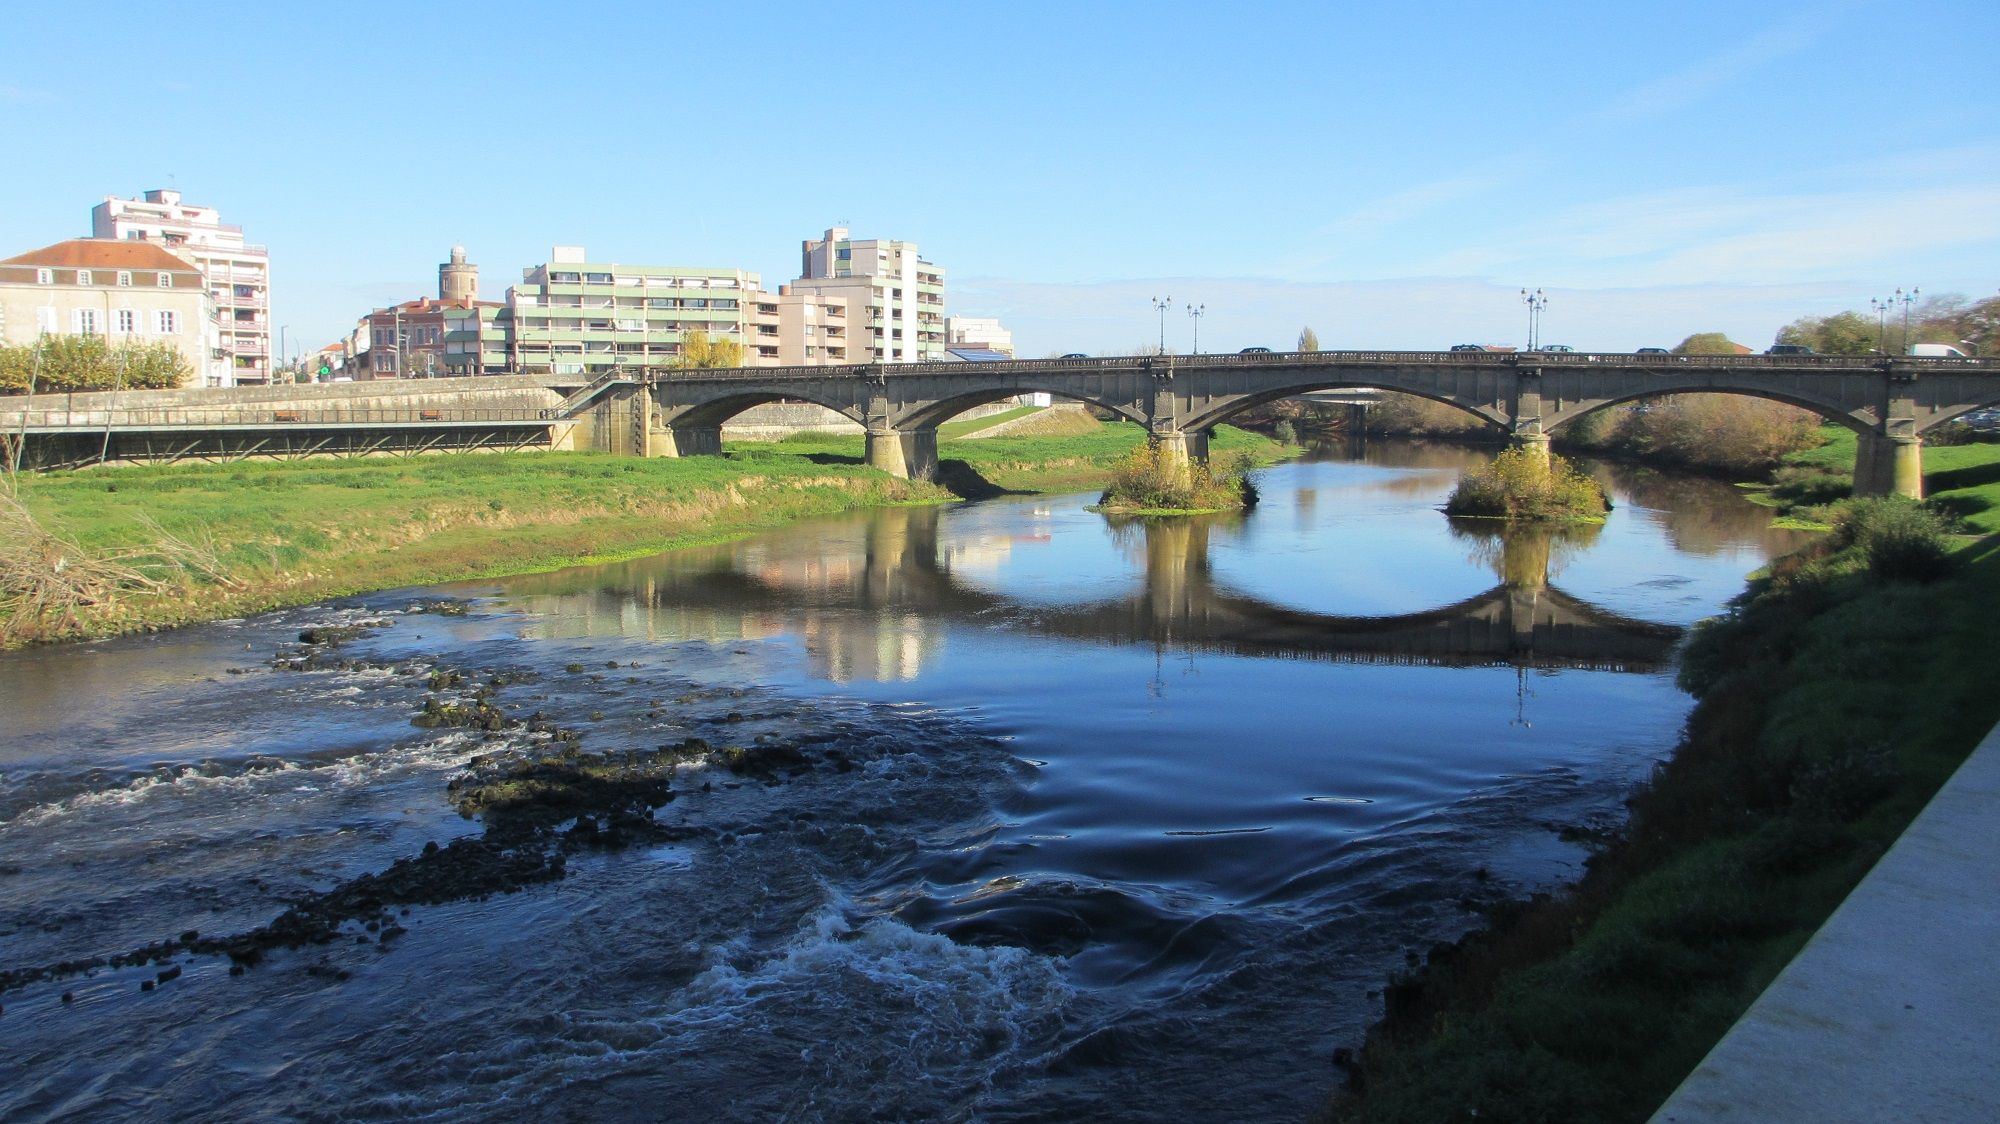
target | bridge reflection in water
x=876, y=606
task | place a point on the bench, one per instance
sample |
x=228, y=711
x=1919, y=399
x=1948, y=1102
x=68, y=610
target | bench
x=432, y=415
x=286, y=415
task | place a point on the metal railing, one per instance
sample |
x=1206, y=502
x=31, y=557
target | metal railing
x=61, y=419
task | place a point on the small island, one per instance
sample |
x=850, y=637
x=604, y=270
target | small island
x=1151, y=480
x=1528, y=484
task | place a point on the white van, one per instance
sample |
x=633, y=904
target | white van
x=1937, y=351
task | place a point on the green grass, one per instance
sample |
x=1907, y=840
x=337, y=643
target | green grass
x=956, y=429
x=288, y=532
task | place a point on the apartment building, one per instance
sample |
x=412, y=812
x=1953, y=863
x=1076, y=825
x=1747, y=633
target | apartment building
x=809, y=329
x=572, y=316
x=237, y=273
x=983, y=332
x=126, y=292
x=895, y=299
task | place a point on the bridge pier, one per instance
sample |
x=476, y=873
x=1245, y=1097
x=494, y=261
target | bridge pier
x=910, y=454
x=1181, y=448
x=1535, y=444
x=688, y=441
x=1889, y=465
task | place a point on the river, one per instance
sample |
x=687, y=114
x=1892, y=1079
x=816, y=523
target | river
x=1060, y=818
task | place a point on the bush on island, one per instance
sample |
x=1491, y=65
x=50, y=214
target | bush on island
x=1519, y=484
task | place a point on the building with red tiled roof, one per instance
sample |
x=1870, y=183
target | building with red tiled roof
x=127, y=292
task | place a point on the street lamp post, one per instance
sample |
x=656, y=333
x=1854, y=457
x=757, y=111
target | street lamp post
x=1161, y=305
x=1536, y=302
x=1194, y=314
x=1907, y=299
x=1881, y=307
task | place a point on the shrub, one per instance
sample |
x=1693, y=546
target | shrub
x=1148, y=479
x=1898, y=538
x=1520, y=484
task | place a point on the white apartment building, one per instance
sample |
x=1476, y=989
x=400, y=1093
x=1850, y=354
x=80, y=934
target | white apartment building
x=122, y=292
x=238, y=274
x=978, y=331
x=895, y=299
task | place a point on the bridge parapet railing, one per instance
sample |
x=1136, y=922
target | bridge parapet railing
x=1839, y=364
x=60, y=419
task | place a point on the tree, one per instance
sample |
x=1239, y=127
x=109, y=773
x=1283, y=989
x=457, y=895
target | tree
x=89, y=363
x=1308, y=340
x=1708, y=343
x=1843, y=333
x=700, y=350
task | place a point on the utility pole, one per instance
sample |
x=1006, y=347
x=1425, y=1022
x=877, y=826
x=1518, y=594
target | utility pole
x=1161, y=305
x=1881, y=307
x=1194, y=314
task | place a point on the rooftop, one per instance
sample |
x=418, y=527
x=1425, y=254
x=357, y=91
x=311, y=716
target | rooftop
x=102, y=253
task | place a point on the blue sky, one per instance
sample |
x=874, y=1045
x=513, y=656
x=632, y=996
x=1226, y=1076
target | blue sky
x=1390, y=174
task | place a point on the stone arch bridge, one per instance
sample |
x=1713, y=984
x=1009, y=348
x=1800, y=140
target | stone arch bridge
x=1888, y=402
x=1180, y=399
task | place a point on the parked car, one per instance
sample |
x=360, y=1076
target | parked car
x=1789, y=349
x=1468, y=347
x=1255, y=351
x=1652, y=351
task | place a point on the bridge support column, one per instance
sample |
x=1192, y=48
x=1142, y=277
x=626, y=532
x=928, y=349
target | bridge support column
x=1906, y=467
x=1535, y=444
x=1179, y=450
x=909, y=454
x=1889, y=465
x=688, y=441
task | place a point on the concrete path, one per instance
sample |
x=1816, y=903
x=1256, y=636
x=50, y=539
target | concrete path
x=1892, y=1011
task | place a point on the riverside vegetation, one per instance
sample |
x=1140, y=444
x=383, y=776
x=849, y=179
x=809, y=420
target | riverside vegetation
x=114, y=550
x=1148, y=481
x=1520, y=484
x=1840, y=691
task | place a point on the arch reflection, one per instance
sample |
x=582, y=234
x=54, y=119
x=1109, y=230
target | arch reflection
x=872, y=597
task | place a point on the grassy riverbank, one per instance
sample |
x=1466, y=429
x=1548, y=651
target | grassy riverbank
x=1834, y=700
x=185, y=543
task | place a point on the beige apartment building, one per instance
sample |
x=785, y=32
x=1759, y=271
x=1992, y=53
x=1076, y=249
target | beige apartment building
x=124, y=291
x=895, y=299
x=810, y=329
x=237, y=273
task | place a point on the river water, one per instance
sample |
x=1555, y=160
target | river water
x=1102, y=820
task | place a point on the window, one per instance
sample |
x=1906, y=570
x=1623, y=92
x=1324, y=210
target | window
x=166, y=280
x=45, y=277
x=169, y=323
x=127, y=321
x=83, y=277
x=45, y=320
x=84, y=321
x=125, y=278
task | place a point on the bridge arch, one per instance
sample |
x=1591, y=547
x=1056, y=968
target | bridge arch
x=716, y=412
x=1944, y=418
x=1861, y=420
x=1219, y=412
x=930, y=415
